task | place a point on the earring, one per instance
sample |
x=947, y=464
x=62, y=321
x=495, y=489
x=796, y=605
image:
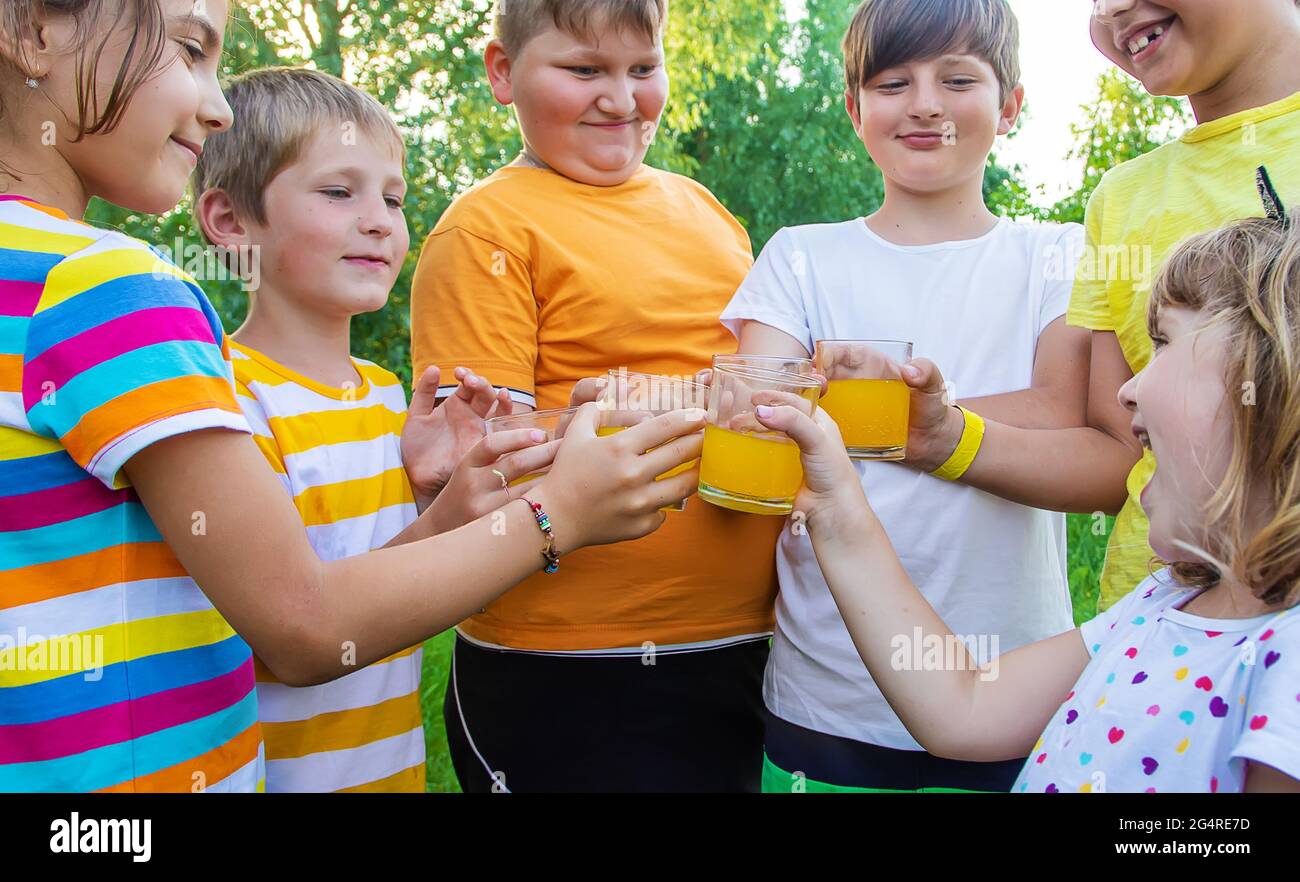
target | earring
x=32, y=82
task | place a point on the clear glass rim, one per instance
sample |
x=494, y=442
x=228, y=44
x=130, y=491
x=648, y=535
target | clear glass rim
x=613, y=374
x=907, y=343
x=549, y=412
x=740, y=370
x=742, y=358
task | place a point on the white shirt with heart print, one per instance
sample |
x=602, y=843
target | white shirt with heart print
x=1173, y=702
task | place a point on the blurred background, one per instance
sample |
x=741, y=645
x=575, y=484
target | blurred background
x=756, y=115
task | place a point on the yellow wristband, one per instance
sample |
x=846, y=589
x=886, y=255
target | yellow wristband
x=967, y=449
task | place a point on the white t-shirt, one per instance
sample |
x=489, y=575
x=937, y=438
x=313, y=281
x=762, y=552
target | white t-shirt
x=994, y=570
x=1173, y=702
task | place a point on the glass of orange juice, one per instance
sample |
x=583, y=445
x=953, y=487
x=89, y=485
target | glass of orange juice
x=866, y=394
x=553, y=422
x=631, y=398
x=746, y=466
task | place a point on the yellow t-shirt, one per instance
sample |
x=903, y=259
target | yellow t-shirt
x=337, y=452
x=535, y=281
x=1141, y=211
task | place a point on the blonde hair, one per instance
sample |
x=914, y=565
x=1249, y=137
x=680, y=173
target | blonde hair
x=887, y=33
x=1246, y=277
x=518, y=21
x=277, y=111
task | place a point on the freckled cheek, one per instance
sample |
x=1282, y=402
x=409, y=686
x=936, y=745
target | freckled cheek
x=326, y=243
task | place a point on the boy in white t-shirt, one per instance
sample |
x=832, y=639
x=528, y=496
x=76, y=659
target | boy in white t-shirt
x=931, y=83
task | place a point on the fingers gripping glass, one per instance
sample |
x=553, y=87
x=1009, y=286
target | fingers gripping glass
x=866, y=394
x=746, y=466
x=632, y=398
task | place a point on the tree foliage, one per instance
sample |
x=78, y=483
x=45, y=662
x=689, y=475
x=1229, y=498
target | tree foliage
x=1122, y=124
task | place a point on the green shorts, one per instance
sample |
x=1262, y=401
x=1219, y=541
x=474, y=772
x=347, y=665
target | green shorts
x=778, y=780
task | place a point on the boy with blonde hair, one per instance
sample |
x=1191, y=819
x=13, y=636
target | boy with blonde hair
x=639, y=668
x=309, y=184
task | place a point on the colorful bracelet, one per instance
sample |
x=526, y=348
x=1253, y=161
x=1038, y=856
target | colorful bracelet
x=968, y=448
x=544, y=522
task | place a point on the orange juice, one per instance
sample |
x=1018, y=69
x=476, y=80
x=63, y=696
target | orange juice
x=605, y=431
x=872, y=416
x=749, y=472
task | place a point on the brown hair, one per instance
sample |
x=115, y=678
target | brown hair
x=277, y=110
x=21, y=18
x=887, y=33
x=518, y=21
x=1246, y=277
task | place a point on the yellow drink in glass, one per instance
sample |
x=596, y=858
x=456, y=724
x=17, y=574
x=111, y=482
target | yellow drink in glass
x=605, y=431
x=866, y=395
x=872, y=416
x=749, y=472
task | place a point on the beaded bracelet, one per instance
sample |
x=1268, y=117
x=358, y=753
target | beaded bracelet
x=544, y=522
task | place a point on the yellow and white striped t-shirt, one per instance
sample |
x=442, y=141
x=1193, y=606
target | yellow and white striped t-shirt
x=337, y=453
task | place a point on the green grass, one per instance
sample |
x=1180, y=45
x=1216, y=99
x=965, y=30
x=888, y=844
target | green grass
x=1087, y=551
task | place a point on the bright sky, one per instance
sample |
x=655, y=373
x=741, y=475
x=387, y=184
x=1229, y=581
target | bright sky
x=1060, y=67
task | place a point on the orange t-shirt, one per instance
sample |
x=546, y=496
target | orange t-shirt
x=535, y=281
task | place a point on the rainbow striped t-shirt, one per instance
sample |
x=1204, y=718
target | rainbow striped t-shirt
x=116, y=673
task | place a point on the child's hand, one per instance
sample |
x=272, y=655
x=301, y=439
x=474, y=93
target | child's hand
x=831, y=495
x=587, y=389
x=935, y=426
x=476, y=487
x=603, y=489
x=435, y=438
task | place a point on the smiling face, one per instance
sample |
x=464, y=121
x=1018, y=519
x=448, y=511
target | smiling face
x=335, y=235
x=1186, y=47
x=1182, y=412
x=930, y=124
x=167, y=120
x=587, y=106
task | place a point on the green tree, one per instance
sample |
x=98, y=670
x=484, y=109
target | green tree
x=1122, y=124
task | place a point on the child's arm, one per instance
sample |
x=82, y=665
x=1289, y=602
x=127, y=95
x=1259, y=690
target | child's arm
x=1076, y=469
x=1266, y=779
x=312, y=621
x=475, y=486
x=1083, y=468
x=435, y=436
x=1058, y=394
x=996, y=713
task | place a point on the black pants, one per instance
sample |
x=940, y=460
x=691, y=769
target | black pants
x=844, y=762
x=691, y=722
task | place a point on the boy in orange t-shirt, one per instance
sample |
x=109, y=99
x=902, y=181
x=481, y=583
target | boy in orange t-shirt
x=638, y=667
